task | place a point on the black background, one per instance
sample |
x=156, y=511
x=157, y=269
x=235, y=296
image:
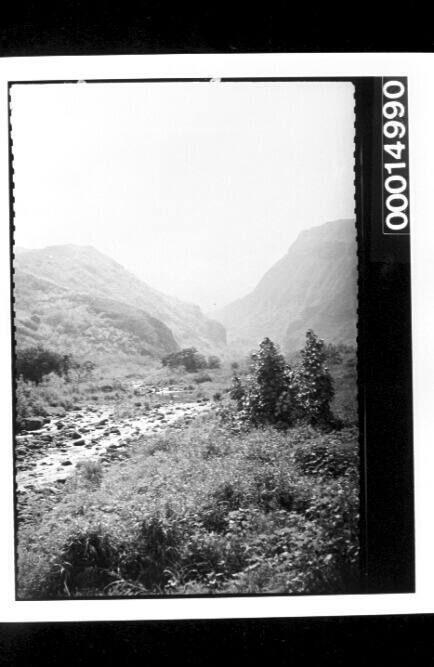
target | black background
x=86, y=28
x=385, y=365
x=83, y=27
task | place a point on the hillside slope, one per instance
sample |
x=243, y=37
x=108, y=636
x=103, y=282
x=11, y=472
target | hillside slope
x=83, y=325
x=313, y=286
x=89, y=299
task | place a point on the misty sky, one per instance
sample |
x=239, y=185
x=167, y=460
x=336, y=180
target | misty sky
x=197, y=188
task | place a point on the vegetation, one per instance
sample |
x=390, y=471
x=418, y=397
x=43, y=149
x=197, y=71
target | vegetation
x=205, y=511
x=214, y=362
x=259, y=496
x=190, y=360
x=273, y=393
x=32, y=363
x=312, y=384
x=36, y=362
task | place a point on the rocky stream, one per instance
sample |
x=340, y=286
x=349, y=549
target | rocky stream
x=49, y=450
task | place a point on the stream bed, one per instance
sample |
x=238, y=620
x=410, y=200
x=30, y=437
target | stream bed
x=51, y=453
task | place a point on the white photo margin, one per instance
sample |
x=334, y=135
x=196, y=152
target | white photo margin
x=419, y=68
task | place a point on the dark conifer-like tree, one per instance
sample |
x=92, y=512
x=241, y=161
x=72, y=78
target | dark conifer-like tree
x=312, y=383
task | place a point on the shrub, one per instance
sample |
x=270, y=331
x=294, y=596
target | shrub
x=325, y=459
x=151, y=552
x=81, y=371
x=214, y=362
x=202, y=377
x=32, y=363
x=90, y=471
x=226, y=498
x=83, y=563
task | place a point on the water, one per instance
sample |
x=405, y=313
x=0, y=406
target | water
x=50, y=454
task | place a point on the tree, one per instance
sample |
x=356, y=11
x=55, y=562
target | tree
x=32, y=363
x=188, y=357
x=266, y=396
x=312, y=383
x=82, y=371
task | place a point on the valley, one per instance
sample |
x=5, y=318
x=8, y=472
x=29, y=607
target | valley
x=155, y=456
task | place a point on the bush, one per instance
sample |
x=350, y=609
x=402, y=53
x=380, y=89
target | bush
x=147, y=557
x=325, y=459
x=189, y=358
x=90, y=471
x=32, y=363
x=214, y=362
x=202, y=377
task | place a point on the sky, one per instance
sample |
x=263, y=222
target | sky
x=197, y=188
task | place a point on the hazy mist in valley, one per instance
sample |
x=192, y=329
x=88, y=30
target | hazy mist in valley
x=196, y=188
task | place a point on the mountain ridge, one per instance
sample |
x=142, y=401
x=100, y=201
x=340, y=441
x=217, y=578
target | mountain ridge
x=82, y=274
x=314, y=285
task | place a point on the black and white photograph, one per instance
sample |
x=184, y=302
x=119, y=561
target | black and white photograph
x=185, y=296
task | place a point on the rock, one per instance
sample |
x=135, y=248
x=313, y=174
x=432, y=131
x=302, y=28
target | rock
x=56, y=411
x=74, y=435
x=66, y=463
x=114, y=430
x=101, y=422
x=33, y=423
x=79, y=441
x=60, y=425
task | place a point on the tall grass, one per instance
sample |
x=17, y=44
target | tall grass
x=203, y=510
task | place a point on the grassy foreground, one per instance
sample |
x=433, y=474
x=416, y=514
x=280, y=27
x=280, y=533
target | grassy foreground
x=201, y=510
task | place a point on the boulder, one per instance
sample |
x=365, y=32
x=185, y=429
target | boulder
x=33, y=423
x=73, y=435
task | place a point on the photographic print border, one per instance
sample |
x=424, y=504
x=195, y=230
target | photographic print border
x=383, y=349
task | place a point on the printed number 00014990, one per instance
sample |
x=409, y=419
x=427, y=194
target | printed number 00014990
x=395, y=184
